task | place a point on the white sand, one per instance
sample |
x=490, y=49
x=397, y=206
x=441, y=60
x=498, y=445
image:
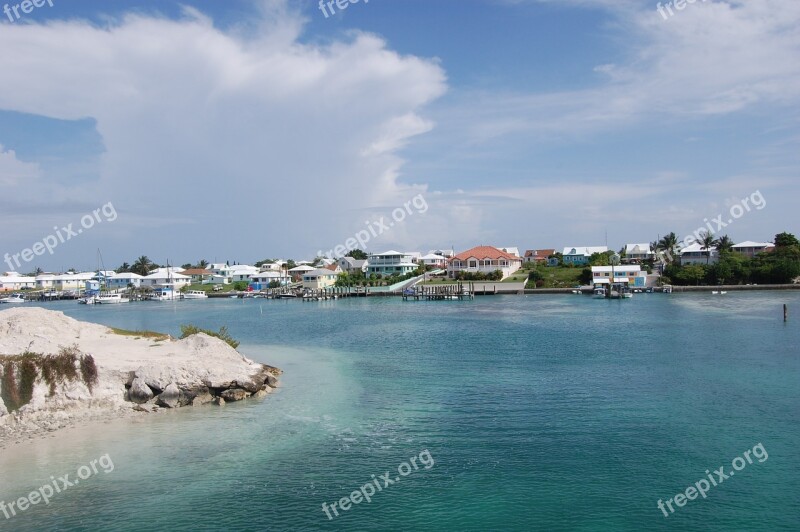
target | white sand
x=195, y=361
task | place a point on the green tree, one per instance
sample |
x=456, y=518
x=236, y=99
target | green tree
x=707, y=241
x=724, y=244
x=142, y=266
x=357, y=254
x=667, y=244
x=785, y=240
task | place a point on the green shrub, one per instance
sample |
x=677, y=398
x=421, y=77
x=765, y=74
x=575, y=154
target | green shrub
x=189, y=330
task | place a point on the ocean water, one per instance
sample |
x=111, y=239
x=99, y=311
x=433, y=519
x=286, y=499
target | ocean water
x=520, y=412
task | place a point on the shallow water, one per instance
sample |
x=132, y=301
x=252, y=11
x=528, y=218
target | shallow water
x=539, y=412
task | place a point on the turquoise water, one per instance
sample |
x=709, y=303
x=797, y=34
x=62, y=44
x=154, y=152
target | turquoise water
x=538, y=412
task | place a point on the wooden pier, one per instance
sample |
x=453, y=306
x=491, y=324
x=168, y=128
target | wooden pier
x=439, y=293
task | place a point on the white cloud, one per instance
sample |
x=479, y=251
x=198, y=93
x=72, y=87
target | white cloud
x=241, y=131
x=14, y=172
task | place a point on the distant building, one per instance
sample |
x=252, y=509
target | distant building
x=434, y=260
x=319, y=278
x=751, y=249
x=484, y=259
x=123, y=280
x=697, y=254
x=391, y=262
x=638, y=252
x=16, y=282
x=350, y=265
x=198, y=275
x=538, y=256
x=629, y=274
x=511, y=251
x=262, y=280
x=580, y=255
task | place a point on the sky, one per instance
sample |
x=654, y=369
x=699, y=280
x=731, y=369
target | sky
x=252, y=129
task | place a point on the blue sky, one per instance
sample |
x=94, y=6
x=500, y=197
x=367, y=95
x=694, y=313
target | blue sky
x=242, y=130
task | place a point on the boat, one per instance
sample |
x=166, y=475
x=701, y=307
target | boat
x=714, y=292
x=14, y=300
x=667, y=289
x=163, y=293
x=110, y=299
x=194, y=294
x=723, y=292
x=599, y=292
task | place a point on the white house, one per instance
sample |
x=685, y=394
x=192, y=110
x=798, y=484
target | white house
x=434, y=260
x=484, y=259
x=391, y=262
x=580, y=255
x=319, y=278
x=630, y=274
x=349, y=264
x=697, y=254
x=638, y=252
x=299, y=271
x=262, y=280
x=751, y=249
x=242, y=272
x=161, y=278
x=123, y=280
x=16, y=282
x=46, y=280
x=73, y=281
x=511, y=250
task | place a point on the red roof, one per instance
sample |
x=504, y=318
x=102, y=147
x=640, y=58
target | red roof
x=539, y=254
x=332, y=267
x=485, y=252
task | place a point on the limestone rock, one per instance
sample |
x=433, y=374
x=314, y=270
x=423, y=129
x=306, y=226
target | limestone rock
x=234, y=394
x=219, y=401
x=140, y=392
x=170, y=397
x=271, y=380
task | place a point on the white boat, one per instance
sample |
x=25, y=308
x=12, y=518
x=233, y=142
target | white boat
x=667, y=289
x=164, y=293
x=714, y=292
x=194, y=294
x=110, y=299
x=599, y=292
x=723, y=292
x=14, y=300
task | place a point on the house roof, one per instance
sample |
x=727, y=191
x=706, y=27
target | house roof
x=539, y=253
x=751, y=244
x=485, y=252
x=617, y=269
x=511, y=250
x=318, y=272
x=196, y=271
x=126, y=275
x=638, y=248
x=696, y=247
x=302, y=268
x=432, y=256
x=332, y=267
x=584, y=250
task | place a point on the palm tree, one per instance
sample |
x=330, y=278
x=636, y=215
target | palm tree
x=124, y=268
x=724, y=244
x=707, y=241
x=668, y=244
x=203, y=264
x=142, y=265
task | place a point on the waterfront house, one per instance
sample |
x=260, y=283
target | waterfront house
x=262, y=280
x=319, y=278
x=751, y=249
x=242, y=272
x=580, y=255
x=198, y=275
x=46, y=281
x=73, y=280
x=350, y=265
x=298, y=271
x=16, y=282
x=627, y=274
x=636, y=253
x=391, y=262
x=433, y=260
x=124, y=280
x=697, y=254
x=484, y=259
x=164, y=277
x=538, y=256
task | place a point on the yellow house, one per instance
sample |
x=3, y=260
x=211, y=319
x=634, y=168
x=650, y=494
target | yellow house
x=319, y=278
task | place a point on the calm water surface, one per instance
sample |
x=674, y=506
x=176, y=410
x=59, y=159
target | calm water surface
x=539, y=413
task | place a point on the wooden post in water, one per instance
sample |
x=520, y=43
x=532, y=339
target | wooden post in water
x=785, y=313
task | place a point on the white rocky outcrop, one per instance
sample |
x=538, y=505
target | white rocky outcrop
x=133, y=373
